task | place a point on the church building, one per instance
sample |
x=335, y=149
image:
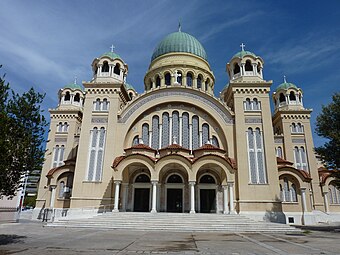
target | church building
x=179, y=148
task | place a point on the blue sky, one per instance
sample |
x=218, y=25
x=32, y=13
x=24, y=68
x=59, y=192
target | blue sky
x=44, y=44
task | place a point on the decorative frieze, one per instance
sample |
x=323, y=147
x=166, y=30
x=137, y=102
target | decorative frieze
x=100, y=120
x=298, y=140
x=253, y=120
x=278, y=140
x=60, y=139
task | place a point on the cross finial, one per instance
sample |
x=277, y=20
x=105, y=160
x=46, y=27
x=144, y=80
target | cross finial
x=75, y=79
x=112, y=48
x=242, y=46
x=284, y=79
x=179, y=26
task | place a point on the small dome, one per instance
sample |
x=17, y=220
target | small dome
x=179, y=42
x=243, y=53
x=111, y=54
x=73, y=86
x=285, y=86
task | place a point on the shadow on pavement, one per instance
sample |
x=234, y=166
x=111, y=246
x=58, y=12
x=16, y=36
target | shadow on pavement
x=8, y=239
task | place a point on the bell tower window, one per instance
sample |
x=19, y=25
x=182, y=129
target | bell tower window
x=248, y=66
x=116, y=70
x=236, y=68
x=282, y=98
x=189, y=79
x=105, y=67
x=199, y=81
x=167, y=79
x=292, y=96
x=158, y=81
x=67, y=96
x=77, y=98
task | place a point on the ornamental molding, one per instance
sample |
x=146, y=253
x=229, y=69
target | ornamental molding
x=296, y=116
x=253, y=120
x=278, y=140
x=99, y=120
x=251, y=91
x=298, y=140
x=126, y=115
x=101, y=91
x=60, y=140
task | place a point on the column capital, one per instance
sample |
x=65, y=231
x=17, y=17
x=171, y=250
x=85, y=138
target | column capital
x=325, y=192
x=154, y=182
x=192, y=182
x=303, y=189
x=230, y=183
x=117, y=182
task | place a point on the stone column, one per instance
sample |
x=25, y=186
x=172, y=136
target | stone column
x=231, y=197
x=125, y=194
x=116, y=203
x=201, y=138
x=150, y=138
x=192, y=196
x=154, y=197
x=325, y=199
x=99, y=72
x=303, y=199
x=53, y=190
x=225, y=199
x=242, y=69
x=180, y=130
x=160, y=136
x=254, y=69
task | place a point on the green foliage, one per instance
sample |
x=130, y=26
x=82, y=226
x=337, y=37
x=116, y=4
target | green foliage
x=22, y=128
x=30, y=201
x=328, y=126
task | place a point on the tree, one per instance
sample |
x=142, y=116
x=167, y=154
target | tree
x=22, y=128
x=328, y=126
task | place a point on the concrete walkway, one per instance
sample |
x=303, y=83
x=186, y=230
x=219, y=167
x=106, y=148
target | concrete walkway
x=30, y=237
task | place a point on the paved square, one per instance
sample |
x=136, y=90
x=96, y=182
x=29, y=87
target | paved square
x=33, y=238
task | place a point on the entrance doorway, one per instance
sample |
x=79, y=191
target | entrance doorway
x=141, y=200
x=174, y=201
x=207, y=200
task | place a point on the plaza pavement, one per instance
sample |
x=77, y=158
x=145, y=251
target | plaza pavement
x=31, y=237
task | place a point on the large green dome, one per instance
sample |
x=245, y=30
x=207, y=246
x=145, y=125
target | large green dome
x=286, y=85
x=179, y=42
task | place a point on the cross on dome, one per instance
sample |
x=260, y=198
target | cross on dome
x=284, y=79
x=112, y=48
x=179, y=26
x=242, y=45
x=75, y=79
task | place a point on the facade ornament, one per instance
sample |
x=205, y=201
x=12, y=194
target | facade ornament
x=176, y=75
x=112, y=48
x=242, y=45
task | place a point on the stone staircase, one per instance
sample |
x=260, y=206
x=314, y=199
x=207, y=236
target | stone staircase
x=177, y=222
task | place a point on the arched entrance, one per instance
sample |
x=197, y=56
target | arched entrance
x=174, y=193
x=207, y=194
x=141, y=193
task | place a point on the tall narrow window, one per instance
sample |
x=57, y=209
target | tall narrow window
x=248, y=66
x=61, y=189
x=167, y=79
x=67, y=96
x=205, y=133
x=294, y=128
x=199, y=81
x=58, y=156
x=286, y=189
x=165, y=131
x=155, y=132
x=293, y=193
x=60, y=127
x=96, y=154
x=97, y=105
x=279, y=152
x=116, y=69
x=334, y=194
x=158, y=81
x=292, y=96
x=256, y=105
x=185, y=130
x=282, y=98
x=179, y=77
x=247, y=105
x=105, y=67
x=297, y=158
x=303, y=159
x=135, y=140
x=77, y=98
x=189, y=79
x=256, y=157
x=175, y=127
x=65, y=127
x=195, y=132
x=145, y=134
x=105, y=104
x=215, y=141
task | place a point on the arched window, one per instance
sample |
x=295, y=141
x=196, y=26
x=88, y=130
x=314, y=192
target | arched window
x=67, y=96
x=155, y=133
x=282, y=98
x=195, y=132
x=135, y=140
x=334, y=194
x=297, y=158
x=65, y=127
x=77, y=98
x=97, y=105
x=185, y=130
x=145, y=133
x=130, y=95
x=167, y=79
x=215, y=141
x=189, y=79
x=105, y=67
x=58, y=157
x=116, y=69
x=286, y=190
x=248, y=104
x=256, y=157
x=207, y=178
x=175, y=127
x=279, y=152
x=179, y=77
x=105, y=105
x=256, y=104
x=207, y=84
x=299, y=128
x=158, y=81
x=236, y=68
x=281, y=193
x=61, y=189
x=293, y=193
x=205, y=133
x=60, y=127
x=199, y=81
x=95, y=165
x=174, y=178
x=248, y=66
x=303, y=158
x=165, y=131
x=292, y=96
x=142, y=178
x=294, y=130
